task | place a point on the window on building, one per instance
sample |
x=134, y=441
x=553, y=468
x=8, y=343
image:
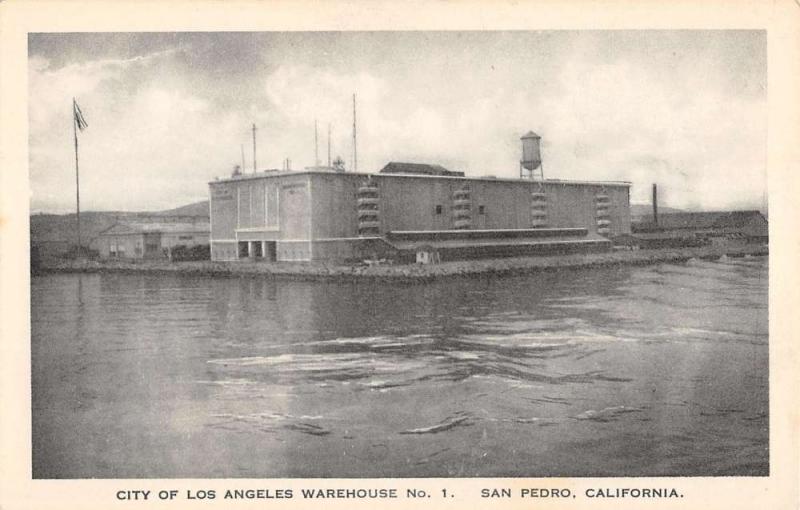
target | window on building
x=438, y=209
x=185, y=238
x=481, y=209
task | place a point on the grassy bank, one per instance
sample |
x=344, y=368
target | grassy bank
x=410, y=273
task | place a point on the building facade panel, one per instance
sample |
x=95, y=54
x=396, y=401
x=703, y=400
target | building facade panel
x=257, y=206
x=223, y=208
x=500, y=205
x=124, y=246
x=294, y=251
x=295, y=215
x=245, y=200
x=224, y=250
x=571, y=206
x=335, y=206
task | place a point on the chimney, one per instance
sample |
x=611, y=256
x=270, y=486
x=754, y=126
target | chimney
x=655, y=204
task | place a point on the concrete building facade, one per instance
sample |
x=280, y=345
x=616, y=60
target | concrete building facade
x=325, y=215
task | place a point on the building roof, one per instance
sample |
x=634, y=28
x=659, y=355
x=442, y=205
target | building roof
x=282, y=174
x=395, y=167
x=530, y=134
x=153, y=227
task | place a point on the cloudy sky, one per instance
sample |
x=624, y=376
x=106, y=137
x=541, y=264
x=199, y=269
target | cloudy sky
x=168, y=112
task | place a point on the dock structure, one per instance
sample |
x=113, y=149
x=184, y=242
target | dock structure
x=409, y=212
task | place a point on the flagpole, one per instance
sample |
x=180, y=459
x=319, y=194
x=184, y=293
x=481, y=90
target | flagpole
x=77, y=174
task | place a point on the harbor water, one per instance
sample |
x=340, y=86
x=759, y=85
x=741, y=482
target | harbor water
x=628, y=371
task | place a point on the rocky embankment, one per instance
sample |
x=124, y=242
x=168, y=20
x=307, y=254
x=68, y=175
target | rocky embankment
x=409, y=273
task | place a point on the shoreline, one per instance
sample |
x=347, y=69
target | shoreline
x=413, y=273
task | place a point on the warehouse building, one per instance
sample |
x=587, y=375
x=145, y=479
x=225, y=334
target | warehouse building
x=151, y=238
x=409, y=212
x=725, y=228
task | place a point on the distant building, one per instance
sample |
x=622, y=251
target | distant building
x=697, y=228
x=144, y=238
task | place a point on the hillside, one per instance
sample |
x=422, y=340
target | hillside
x=60, y=230
x=62, y=227
x=193, y=209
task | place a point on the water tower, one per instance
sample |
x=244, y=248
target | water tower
x=531, y=156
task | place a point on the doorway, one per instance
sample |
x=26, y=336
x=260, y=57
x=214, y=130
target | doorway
x=270, y=251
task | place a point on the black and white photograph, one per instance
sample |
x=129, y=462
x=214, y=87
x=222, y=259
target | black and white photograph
x=399, y=254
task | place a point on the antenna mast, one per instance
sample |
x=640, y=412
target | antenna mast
x=254, y=149
x=355, y=145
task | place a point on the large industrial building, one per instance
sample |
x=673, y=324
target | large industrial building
x=411, y=212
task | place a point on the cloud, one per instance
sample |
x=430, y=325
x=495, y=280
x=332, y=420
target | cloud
x=704, y=146
x=152, y=145
x=604, y=122
x=160, y=126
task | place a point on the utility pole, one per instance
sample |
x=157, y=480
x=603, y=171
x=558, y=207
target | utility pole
x=78, y=122
x=355, y=145
x=316, y=145
x=242, y=147
x=254, y=148
x=77, y=175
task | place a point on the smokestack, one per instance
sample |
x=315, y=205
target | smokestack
x=655, y=204
x=329, y=144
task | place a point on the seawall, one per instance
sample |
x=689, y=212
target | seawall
x=403, y=273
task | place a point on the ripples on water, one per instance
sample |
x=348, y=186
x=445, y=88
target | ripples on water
x=648, y=371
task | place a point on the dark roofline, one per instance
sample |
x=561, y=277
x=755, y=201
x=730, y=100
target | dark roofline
x=735, y=211
x=401, y=167
x=263, y=175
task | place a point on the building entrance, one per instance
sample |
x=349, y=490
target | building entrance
x=270, y=251
x=255, y=250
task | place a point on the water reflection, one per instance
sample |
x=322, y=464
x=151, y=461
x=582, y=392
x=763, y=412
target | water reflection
x=633, y=371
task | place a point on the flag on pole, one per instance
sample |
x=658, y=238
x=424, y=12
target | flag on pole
x=79, y=120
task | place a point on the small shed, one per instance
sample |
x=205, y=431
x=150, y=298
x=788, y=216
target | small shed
x=140, y=239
